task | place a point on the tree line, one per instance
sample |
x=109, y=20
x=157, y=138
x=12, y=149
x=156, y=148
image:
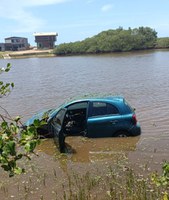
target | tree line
x=118, y=40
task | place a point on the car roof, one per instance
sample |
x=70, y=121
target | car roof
x=103, y=99
x=109, y=99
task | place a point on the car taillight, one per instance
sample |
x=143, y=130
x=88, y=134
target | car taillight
x=134, y=119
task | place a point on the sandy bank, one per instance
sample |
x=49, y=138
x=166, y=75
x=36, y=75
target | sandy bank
x=27, y=53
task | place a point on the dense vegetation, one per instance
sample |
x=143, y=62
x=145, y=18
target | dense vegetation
x=162, y=42
x=118, y=40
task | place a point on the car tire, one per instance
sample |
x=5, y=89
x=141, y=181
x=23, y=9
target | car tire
x=121, y=134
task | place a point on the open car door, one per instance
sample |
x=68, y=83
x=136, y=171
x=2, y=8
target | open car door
x=57, y=128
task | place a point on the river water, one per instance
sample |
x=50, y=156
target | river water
x=141, y=77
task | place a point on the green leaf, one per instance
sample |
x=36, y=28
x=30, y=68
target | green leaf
x=18, y=170
x=43, y=122
x=12, y=85
x=30, y=146
x=30, y=130
x=17, y=118
x=6, y=167
x=36, y=123
x=9, y=148
x=4, y=125
x=9, y=65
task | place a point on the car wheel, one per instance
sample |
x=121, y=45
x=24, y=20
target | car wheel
x=121, y=134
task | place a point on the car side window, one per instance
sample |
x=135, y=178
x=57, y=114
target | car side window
x=111, y=109
x=102, y=108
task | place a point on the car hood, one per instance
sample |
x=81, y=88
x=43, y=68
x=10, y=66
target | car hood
x=38, y=115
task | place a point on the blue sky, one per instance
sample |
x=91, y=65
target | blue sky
x=75, y=20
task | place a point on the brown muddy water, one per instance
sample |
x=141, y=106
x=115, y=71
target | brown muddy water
x=40, y=83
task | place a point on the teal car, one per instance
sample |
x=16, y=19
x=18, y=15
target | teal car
x=92, y=117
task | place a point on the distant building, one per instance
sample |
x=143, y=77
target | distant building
x=2, y=46
x=16, y=43
x=45, y=40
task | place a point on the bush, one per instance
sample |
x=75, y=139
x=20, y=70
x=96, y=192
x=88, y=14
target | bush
x=112, y=41
x=15, y=142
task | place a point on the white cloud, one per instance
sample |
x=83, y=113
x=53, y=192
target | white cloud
x=23, y=19
x=107, y=7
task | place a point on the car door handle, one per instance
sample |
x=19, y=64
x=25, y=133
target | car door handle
x=114, y=121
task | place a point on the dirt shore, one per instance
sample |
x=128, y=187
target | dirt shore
x=27, y=53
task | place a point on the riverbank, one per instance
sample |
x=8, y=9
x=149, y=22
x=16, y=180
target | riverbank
x=35, y=53
x=27, y=54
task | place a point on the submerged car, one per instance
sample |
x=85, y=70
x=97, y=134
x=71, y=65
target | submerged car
x=92, y=117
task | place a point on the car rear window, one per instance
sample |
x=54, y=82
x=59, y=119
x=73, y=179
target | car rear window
x=128, y=108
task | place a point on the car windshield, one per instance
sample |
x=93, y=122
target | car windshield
x=49, y=111
x=54, y=110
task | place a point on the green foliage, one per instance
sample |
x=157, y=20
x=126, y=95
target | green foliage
x=162, y=180
x=162, y=42
x=112, y=41
x=15, y=142
x=5, y=88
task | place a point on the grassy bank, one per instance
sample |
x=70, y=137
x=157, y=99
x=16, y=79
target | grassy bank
x=54, y=176
x=120, y=183
x=112, y=183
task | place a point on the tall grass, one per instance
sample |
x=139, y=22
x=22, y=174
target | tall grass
x=116, y=185
x=114, y=182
